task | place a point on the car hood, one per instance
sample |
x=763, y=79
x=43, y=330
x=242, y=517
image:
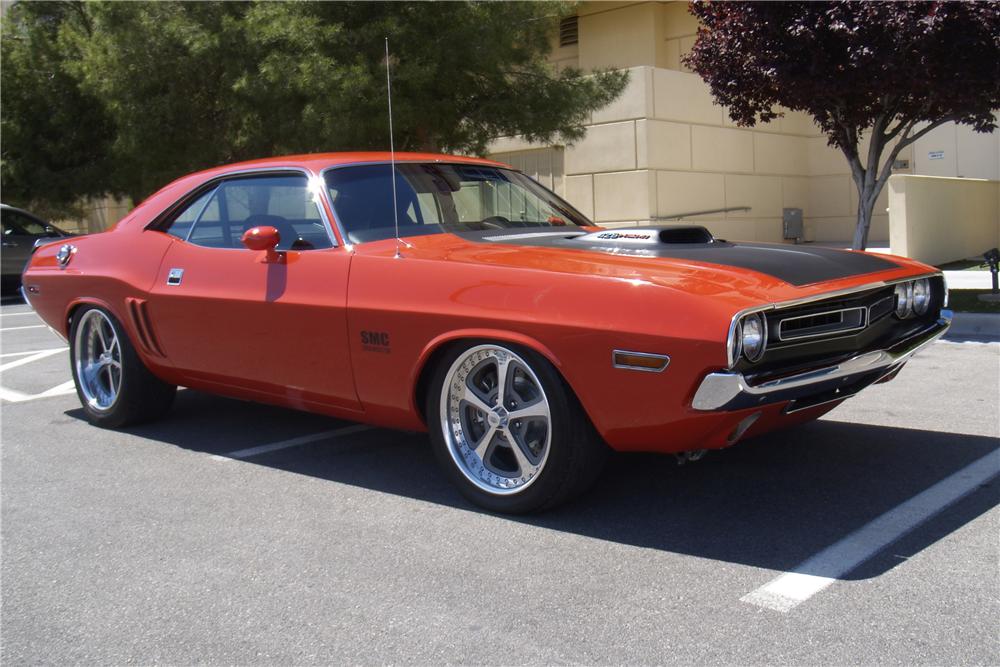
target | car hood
x=685, y=258
x=793, y=264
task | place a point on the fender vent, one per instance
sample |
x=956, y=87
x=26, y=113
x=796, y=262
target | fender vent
x=140, y=322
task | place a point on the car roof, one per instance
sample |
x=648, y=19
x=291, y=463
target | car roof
x=320, y=161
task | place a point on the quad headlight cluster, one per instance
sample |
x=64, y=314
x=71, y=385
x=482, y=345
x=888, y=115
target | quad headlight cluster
x=913, y=298
x=749, y=338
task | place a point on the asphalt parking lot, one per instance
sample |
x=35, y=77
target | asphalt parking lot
x=239, y=533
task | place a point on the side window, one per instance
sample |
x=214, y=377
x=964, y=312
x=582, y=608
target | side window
x=182, y=224
x=11, y=225
x=218, y=218
x=15, y=223
x=31, y=226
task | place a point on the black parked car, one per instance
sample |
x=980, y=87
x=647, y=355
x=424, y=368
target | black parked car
x=20, y=231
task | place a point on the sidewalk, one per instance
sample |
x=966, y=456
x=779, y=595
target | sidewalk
x=968, y=279
x=975, y=326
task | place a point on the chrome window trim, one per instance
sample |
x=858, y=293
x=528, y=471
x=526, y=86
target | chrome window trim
x=811, y=299
x=217, y=181
x=865, y=319
x=204, y=207
x=496, y=165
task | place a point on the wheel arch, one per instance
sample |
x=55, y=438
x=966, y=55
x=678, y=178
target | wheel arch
x=439, y=346
x=78, y=303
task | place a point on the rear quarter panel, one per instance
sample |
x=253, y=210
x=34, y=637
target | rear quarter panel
x=105, y=269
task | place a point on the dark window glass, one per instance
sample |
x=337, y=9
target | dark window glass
x=431, y=198
x=18, y=224
x=218, y=218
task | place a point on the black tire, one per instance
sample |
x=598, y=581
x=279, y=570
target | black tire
x=576, y=452
x=141, y=396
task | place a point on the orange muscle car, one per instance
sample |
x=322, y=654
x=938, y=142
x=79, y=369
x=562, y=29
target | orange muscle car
x=458, y=296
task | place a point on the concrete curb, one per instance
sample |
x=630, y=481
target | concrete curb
x=969, y=279
x=975, y=326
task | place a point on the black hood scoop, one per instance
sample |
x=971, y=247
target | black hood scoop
x=794, y=264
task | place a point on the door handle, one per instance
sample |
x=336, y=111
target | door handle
x=174, y=276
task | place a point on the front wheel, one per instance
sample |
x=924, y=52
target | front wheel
x=508, y=430
x=114, y=386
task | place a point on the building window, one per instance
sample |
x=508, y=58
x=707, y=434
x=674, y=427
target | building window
x=569, y=33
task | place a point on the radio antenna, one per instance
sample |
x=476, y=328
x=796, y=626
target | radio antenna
x=392, y=152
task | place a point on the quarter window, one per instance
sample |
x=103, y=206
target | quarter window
x=218, y=218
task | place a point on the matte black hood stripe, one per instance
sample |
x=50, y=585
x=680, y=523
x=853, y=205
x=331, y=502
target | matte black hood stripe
x=795, y=264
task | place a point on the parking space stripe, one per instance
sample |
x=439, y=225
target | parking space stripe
x=14, y=396
x=789, y=590
x=41, y=354
x=6, y=355
x=293, y=442
x=30, y=326
x=6, y=315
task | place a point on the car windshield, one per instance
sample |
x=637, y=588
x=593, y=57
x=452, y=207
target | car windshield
x=433, y=197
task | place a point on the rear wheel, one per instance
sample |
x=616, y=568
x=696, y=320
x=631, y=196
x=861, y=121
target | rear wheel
x=114, y=386
x=508, y=430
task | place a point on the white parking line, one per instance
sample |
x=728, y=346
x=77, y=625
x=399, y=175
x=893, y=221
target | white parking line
x=6, y=315
x=31, y=326
x=41, y=354
x=293, y=442
x=817, y=573
x=5, y=355
x=15, y=396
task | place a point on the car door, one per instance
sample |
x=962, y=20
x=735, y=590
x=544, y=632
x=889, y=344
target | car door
x=19, y=233
x=227, y=317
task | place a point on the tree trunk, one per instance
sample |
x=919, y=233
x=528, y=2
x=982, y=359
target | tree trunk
x=866, y=204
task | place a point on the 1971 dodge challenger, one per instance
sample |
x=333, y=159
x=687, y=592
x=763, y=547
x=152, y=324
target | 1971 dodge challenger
x=525, y=339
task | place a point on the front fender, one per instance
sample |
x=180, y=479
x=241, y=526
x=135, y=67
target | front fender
x=421, y=371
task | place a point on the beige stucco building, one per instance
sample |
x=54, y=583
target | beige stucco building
x=664, y=148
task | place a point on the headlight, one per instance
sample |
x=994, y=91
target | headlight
x=904, y=300
x=921, y=296
x=753, y=333
x=736, y=344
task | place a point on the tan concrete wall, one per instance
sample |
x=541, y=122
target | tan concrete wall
x=957, y=151
x=938, y=220
x=676, y=151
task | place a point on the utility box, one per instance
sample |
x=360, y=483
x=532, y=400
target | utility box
x=792, y=224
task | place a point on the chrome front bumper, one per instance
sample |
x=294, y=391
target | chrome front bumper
x=726, y=391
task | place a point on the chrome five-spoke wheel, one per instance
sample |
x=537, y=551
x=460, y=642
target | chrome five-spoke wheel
x=98, y=359
x=496, y=419
x=113, y=383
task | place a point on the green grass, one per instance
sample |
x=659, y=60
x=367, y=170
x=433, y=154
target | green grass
x=967, y=301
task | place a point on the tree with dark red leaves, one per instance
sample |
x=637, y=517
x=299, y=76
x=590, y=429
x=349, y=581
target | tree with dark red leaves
x=888, y=72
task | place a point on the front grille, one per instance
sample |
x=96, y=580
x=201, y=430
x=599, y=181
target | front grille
x=805, y=336
x=827, y=319
x=881, y=308
x=828, y=323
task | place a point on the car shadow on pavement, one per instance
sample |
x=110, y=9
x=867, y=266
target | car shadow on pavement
x=769, y=502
